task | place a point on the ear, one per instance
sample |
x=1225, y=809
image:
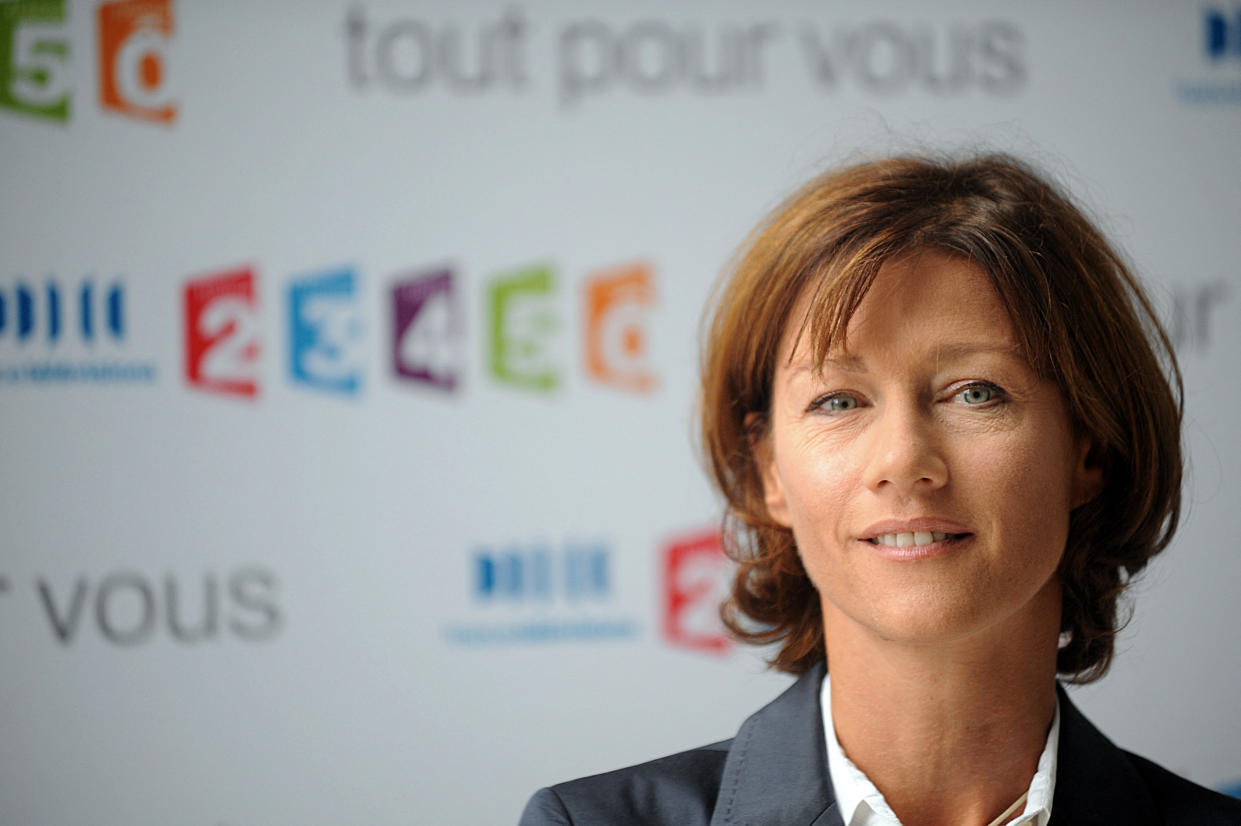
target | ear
x=759, y=433
x=1087, y=472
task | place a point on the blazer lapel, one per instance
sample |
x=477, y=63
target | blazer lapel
x=1095, y=782
x=776, y=771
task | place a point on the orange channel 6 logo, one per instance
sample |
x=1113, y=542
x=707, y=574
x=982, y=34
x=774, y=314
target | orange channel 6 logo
x=133, y=38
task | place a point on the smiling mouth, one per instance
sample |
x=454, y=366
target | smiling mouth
x=915, y=539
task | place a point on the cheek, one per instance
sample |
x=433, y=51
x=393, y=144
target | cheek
x=818, y=483
x=1028, y=484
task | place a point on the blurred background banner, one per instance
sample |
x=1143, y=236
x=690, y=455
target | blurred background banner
x=348, y=355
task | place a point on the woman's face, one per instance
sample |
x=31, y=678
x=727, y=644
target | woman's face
x=927, y=472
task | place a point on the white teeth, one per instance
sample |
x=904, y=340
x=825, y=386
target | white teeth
x=910, y=539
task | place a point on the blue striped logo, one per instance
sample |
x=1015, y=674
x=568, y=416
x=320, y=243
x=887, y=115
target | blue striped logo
x=1223, y=34
x=30, y=313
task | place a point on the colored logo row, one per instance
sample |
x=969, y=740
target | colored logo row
x=225, y=337
x=132, y=41
x=325, y=330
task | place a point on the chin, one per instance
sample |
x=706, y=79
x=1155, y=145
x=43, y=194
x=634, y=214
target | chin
x=923, y=620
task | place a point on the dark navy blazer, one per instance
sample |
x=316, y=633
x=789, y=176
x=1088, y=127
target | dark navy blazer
x=774, y=773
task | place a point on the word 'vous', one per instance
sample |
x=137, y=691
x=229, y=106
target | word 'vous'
x=127, y=608
x=224, y=339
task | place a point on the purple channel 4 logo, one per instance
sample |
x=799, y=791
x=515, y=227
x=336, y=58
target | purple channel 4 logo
x=426, y=329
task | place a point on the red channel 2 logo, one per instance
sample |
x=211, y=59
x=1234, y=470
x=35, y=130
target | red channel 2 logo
x=696, y=579
x=221, y=342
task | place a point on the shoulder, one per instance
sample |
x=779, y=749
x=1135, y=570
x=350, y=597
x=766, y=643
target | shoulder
x=774, y=770
x=679, y=789
x=1182, y=801
x=1097, y=782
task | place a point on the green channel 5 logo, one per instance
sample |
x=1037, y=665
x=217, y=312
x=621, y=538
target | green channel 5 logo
x=34, y=58
x=520, y=321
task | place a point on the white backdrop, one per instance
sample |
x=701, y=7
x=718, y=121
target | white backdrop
x=348, y=354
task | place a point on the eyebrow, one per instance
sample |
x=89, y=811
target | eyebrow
x=948, y=352
x=956, y=351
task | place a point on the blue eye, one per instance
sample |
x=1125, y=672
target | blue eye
x=837, y=403
x=977, y=394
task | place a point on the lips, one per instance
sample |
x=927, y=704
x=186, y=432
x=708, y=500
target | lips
x=913, y=533
x=910, y=539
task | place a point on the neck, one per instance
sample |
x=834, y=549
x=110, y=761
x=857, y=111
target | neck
x=950, y=733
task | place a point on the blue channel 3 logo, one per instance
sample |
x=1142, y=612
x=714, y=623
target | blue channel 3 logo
x=325, y=332
x=98, y=316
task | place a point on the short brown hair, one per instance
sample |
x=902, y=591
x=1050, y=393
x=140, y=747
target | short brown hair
x=1082, y=321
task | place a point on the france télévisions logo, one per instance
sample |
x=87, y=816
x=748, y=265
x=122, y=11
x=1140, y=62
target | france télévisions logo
x=133, y=38
x=1219, y=81
x=540, y=592
x=62, y=331
x=222, y=345
x=1222, y=34
x=577, y=572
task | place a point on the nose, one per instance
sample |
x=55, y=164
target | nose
x=904, y=452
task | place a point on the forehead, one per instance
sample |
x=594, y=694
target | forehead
x=943, y=303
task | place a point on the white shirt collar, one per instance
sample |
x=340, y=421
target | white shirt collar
x=861, y=804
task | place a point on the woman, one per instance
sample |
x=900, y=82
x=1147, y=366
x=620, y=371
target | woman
x=935, y=401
